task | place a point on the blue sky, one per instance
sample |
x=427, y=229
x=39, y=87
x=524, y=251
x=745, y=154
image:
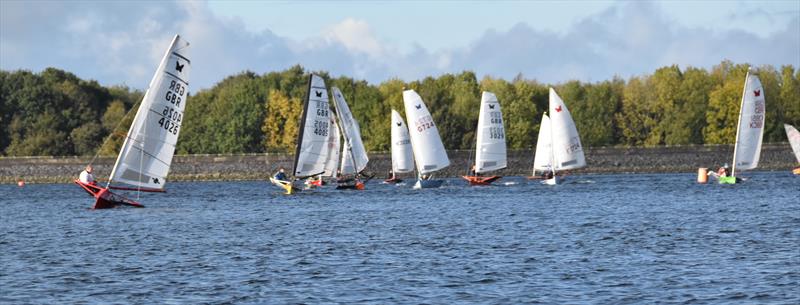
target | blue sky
x=551, y=41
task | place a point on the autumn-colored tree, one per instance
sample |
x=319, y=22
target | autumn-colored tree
x=281, y=123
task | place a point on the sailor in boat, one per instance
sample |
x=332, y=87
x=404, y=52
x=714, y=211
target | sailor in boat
x=472, y=171
x=86, y=176
x=280, y=175
x=547, y=175
x=314, y=181
x=723, y=171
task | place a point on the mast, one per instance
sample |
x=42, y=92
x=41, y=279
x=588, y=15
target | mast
x=738, y=123
x=302, y=126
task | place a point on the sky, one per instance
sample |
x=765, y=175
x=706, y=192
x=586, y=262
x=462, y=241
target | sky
x=121, y=42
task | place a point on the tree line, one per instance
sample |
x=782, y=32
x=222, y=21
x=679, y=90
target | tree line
x=56, y=113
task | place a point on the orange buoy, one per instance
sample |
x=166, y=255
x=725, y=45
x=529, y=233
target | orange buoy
x=702, y=175
x=21, y=183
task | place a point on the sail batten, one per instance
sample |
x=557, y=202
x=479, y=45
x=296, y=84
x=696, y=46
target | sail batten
x=150, y=142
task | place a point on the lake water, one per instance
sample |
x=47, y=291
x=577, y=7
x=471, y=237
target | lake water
x=595, y=239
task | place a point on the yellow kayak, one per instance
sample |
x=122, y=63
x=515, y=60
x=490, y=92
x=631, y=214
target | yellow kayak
x=285, y=185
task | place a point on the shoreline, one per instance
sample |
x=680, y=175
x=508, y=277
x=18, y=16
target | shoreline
x=255, y=167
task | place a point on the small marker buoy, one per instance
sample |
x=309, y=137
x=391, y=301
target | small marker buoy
x=702, y=175
x=21, y=183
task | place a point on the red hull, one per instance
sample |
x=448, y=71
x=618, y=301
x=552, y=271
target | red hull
x=104, y=198
x=476, y=180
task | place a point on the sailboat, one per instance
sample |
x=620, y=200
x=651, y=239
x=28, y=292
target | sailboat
x=312, y=150
x=146, y=154
x=794, y=140
x=402, y=155
x=490, y=150
x=429, y=153
x=559, y=145
x=749, y=130
x=354, y=155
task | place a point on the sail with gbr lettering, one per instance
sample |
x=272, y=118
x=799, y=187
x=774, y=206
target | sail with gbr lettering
x=429, y=152
x=146, y=155
x=402, y=155
x=312, y=143
x=490, y=151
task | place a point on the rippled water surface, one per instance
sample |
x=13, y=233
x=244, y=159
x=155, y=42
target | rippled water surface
x=596, y=239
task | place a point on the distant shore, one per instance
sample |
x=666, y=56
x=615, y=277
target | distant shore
x=601, y=160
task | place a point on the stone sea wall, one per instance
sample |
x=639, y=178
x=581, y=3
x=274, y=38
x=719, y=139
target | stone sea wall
x=777, y=156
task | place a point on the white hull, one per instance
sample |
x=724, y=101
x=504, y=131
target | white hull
x=428, y=184
x=551, y=181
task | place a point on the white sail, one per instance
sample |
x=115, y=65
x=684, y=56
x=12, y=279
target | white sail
x=334, y=145
x=402, y=155
x=346, y=166
x=750, y=130
x=543, y=160
x=429, y=152
x=312, y=144
x=490, y=150
x=794, y=140
x=352, y=133
x=146, y=154
x=567, y=149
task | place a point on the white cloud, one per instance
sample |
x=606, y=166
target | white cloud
x=121, y=42
x=356, y=36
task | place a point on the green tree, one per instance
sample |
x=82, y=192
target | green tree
x=723, y=104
